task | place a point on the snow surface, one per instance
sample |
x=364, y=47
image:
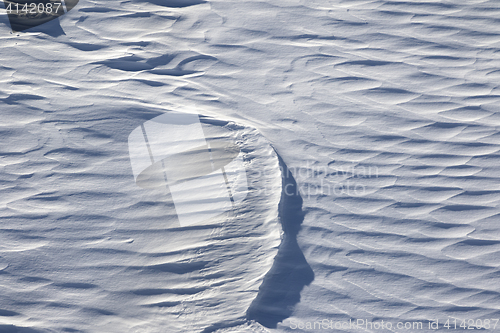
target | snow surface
x=385, y=114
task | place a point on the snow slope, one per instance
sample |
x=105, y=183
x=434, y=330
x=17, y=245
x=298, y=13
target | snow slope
x=383, y=113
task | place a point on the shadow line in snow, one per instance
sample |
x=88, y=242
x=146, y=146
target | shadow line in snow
x=290, y=273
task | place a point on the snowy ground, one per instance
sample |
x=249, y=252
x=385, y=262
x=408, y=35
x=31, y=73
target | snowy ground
x=385, y=114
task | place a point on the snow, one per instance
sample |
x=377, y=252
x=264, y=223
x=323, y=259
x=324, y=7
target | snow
x=369, y=132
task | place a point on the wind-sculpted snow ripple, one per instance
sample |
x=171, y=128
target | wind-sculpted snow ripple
x=116, y=253
x=385, y=112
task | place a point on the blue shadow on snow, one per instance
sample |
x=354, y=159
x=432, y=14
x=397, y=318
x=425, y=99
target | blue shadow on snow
x=280, y=290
